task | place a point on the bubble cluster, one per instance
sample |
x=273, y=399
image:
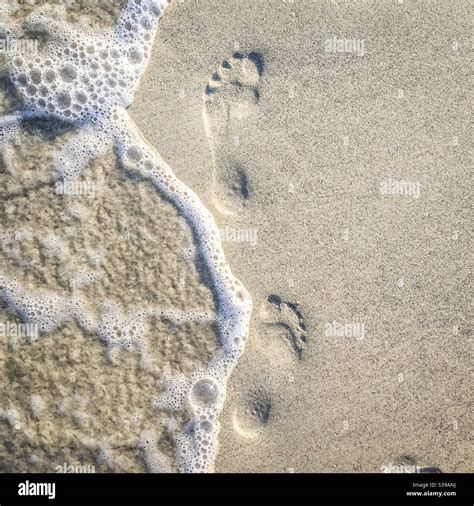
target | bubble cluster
x=121, y=331
x=79, y=73
x=155, y=461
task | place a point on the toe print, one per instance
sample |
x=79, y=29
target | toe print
x=238, y=73
x=288, y=316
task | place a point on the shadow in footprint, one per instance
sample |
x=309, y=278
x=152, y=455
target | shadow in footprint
x=259, y=62
x=260, y=406
x=410, y=462
x=240, y=183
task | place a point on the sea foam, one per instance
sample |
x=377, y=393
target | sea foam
x=88, y=78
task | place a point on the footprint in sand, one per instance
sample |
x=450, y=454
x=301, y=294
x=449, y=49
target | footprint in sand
x=254, y=414
x=409, y=464
x=231, y=98
x=287, y=316
x=284, y=328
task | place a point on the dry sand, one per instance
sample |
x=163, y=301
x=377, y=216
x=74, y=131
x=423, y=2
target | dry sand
x=289, y=152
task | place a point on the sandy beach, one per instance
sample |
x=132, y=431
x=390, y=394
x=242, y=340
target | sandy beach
x=330, y=140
